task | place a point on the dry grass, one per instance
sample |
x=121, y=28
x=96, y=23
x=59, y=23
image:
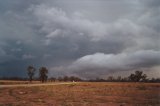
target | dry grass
x=6, y=82
x=83, y=94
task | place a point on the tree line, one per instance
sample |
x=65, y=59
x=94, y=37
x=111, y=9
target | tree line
x=43, y=71
x=137, y=76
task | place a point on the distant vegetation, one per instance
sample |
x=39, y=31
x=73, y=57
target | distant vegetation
x=138, y=76
x=31, y=70
x=43, y=74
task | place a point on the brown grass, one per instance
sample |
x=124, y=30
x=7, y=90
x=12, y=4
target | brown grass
x=83, y=94
x=6, y=82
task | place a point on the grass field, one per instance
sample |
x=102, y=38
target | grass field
x=12, y=82
x=83, y=94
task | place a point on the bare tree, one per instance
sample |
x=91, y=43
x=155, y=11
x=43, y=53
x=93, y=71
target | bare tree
x=43, y=74
x=31, y=70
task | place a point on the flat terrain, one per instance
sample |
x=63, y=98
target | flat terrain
x=34, y=84
x=13, y=82
x=82, y=94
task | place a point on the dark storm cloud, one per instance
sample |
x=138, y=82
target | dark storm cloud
x=66, y=35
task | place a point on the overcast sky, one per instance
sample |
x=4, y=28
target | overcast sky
x=85, y=38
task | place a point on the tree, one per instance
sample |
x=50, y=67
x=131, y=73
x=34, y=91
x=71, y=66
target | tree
x=73, y=78
x=31, y=70
x=110, y=78
x=144, y=78
x=52, y=79
x=137, y=76
x=132, y=77
x=43, y=74
x=60, y=79
x=119, y=79
x=65, y=78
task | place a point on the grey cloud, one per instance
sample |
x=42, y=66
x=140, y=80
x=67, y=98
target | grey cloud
x=4, y=57
x=2, y=52
x=28, y=56
x=56, y=33
x=125, y=32
x=55, y=22
x=100, y=64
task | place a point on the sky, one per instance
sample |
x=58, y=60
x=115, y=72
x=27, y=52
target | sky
x=84, y=38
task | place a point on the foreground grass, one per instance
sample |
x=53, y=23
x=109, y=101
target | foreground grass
x=12, y=82
x=83, y=94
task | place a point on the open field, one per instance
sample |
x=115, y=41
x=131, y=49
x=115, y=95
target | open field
x=83, y=94
x=12, y=82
